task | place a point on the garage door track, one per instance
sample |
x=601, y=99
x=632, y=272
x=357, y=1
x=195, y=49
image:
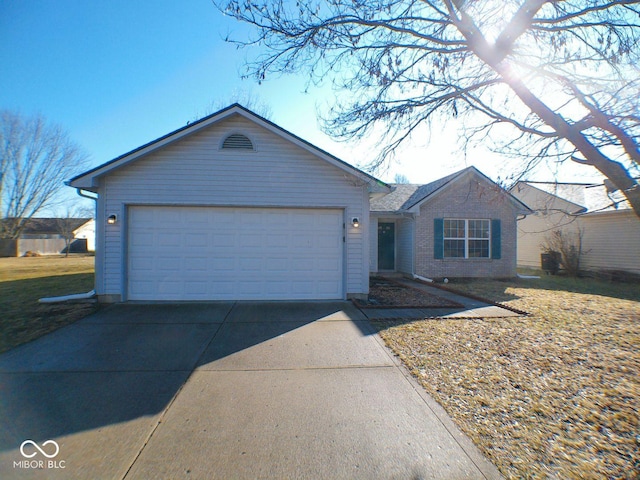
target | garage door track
x=222, y=390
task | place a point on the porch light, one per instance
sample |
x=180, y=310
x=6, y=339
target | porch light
x=111, y=219
x=355, y=222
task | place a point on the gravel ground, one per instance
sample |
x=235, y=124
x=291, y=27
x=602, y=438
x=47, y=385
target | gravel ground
x=553, y=395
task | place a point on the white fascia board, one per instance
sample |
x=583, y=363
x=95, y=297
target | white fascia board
x=374, y=185
x=88, y=180
x=521, y=207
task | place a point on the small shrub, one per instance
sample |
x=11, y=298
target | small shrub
x=569, y=246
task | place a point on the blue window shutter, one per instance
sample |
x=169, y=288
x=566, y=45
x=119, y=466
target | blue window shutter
x=438, y=238
x=496, y=240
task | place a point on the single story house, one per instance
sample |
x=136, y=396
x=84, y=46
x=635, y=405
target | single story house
x=230, y=207
x=462, y=225
x=609, y=228
x=46, y=236
x=235, y=207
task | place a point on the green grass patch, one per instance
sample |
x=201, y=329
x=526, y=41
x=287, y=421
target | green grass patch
x=25, y=280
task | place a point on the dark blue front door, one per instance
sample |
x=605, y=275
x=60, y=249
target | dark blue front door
x=386, y=246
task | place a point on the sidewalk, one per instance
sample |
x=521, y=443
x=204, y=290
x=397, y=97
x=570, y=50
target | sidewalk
x=471, y=308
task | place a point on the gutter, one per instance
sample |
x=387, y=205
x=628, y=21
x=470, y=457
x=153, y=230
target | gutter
x=79, y=191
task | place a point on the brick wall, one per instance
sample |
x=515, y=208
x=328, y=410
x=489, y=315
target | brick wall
x=470, y=198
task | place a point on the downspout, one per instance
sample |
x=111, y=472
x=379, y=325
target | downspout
x=78, y=296
x=413, y=259
x=424, y=279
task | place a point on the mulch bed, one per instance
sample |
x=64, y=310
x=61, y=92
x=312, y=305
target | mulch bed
x=386, y=293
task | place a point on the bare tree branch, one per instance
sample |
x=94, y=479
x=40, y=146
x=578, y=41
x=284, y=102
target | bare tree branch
x=558, y=77
x=36, y=159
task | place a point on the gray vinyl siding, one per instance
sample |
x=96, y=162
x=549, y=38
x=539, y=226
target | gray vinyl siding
x=404, y=245
x=194, y=171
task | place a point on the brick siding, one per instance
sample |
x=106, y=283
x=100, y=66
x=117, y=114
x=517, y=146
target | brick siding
x=473, y=199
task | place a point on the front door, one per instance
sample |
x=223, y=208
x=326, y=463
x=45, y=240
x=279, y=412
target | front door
x=386, y=246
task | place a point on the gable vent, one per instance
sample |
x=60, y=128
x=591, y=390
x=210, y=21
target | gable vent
x=237, y=141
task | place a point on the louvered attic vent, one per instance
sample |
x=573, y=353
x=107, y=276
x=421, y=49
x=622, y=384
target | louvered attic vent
x=237, y=141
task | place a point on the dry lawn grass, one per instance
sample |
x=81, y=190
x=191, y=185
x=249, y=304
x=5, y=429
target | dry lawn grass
x=24, y=280
x=553, y=395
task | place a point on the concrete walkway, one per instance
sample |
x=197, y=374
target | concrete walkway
x=470, y=308
x=223, y=390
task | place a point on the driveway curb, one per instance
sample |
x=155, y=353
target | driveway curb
x=486, y=467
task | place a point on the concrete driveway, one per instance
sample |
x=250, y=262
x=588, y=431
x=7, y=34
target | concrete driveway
x=222, y=390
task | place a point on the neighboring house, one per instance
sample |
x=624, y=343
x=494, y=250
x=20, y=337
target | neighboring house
x=609, y=228
x=463, y=225
x=46, y=236
x=87, y=231
x=230, y=207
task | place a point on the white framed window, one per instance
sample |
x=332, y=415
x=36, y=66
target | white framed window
x=467, y=238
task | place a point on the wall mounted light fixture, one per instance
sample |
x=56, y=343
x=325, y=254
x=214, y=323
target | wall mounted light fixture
x=355, y=222
x=111, y=219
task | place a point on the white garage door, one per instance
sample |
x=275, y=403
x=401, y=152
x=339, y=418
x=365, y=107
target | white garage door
x=198, y=253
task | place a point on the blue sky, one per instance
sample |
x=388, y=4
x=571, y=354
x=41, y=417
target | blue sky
x=119, y=73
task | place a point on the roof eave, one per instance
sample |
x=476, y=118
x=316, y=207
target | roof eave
x=521, y=208
x=88, y=180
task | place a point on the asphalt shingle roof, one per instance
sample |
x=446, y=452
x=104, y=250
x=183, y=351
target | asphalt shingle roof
x=592, y=196
x=37, y=225
x=405, y=196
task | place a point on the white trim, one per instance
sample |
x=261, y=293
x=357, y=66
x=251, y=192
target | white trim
x=127, y=229
x=466, y=238
x=522, y=208
x=88, y=180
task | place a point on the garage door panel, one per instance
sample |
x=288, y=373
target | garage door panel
x=327, y=241
x=195, y=265
x=224, y=265
x=169, y=239
x=302, y=265
x=171, y=264
x=141, y=288
x=223, y=289
x=249, y=240
x=224, y=239
x=142, y=264
x=196, y=288
x=235, y=253
x=328, y=288
x=276, y=264
x=170, y=287
x=278, y=287
x=277, y=240
x=141, y=239
x=251, y=264
x=196, y=240
x=328, y=265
